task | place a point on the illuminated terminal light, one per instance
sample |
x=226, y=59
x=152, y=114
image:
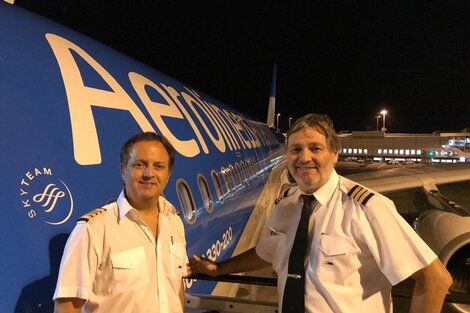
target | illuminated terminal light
x=431, y=154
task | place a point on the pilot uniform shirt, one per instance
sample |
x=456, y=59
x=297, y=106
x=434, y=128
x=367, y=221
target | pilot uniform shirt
x=113, y=261
x=359, y=247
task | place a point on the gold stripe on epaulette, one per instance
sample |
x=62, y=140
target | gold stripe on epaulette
x=91, y=215
x=360, y=194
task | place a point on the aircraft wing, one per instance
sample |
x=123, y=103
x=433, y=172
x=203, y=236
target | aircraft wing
x=396, y=179
x=434, y=199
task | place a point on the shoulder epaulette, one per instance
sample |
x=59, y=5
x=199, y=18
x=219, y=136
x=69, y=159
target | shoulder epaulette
x=360, y=194
x=85, y=218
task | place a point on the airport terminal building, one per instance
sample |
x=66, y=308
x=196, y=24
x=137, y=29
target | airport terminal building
x=438, y=147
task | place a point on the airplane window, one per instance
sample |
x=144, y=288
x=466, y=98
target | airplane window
x=246, y=168
x=239, y=172
x=205, y=193
x=242, y=171
x=217, y=185
x=226, y=179
x=250, y=167
x=255, y=171
x=186, y=200
x=233, y=177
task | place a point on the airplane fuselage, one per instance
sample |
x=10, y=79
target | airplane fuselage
x=67, y=105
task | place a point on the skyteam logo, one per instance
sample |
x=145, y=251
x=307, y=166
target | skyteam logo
x=45, y=196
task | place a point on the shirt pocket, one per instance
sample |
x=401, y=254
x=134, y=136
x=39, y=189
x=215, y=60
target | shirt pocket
x=177, y=260
x=277, y=244
x=130, y=269
x=335, y=261
x=332, y=246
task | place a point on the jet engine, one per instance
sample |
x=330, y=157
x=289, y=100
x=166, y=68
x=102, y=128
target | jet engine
x=445, y=227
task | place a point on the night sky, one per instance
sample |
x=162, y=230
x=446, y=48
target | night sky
x=346, y=59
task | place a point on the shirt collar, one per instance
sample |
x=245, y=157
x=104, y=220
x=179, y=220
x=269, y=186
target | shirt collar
x=124, y=207
x=325, y=192
x=165, y=207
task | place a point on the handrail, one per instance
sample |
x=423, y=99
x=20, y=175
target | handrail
x=267, y=281
x=239, y=279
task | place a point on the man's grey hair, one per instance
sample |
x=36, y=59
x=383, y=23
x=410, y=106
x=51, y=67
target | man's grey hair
x=321, y=123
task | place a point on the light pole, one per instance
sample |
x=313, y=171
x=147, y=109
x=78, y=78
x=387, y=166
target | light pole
x=277, y=120
x=290, y=121
x=383, y=112
x=377, y=117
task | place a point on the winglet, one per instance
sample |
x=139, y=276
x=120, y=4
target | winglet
x=272, y=100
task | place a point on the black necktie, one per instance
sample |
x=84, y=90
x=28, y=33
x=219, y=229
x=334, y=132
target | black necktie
x=294, y=290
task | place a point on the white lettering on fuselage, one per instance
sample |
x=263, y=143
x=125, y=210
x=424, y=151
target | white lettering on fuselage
x=40, y=190
x=224, y=129
x=30, y=176
x=214, y=251
x=24, y=182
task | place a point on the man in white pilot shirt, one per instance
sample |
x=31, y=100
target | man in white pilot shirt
x=358, y=245
x=130, y=255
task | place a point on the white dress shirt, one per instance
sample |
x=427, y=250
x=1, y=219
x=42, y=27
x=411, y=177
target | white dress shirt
x=114, y=262
x=357, y=251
